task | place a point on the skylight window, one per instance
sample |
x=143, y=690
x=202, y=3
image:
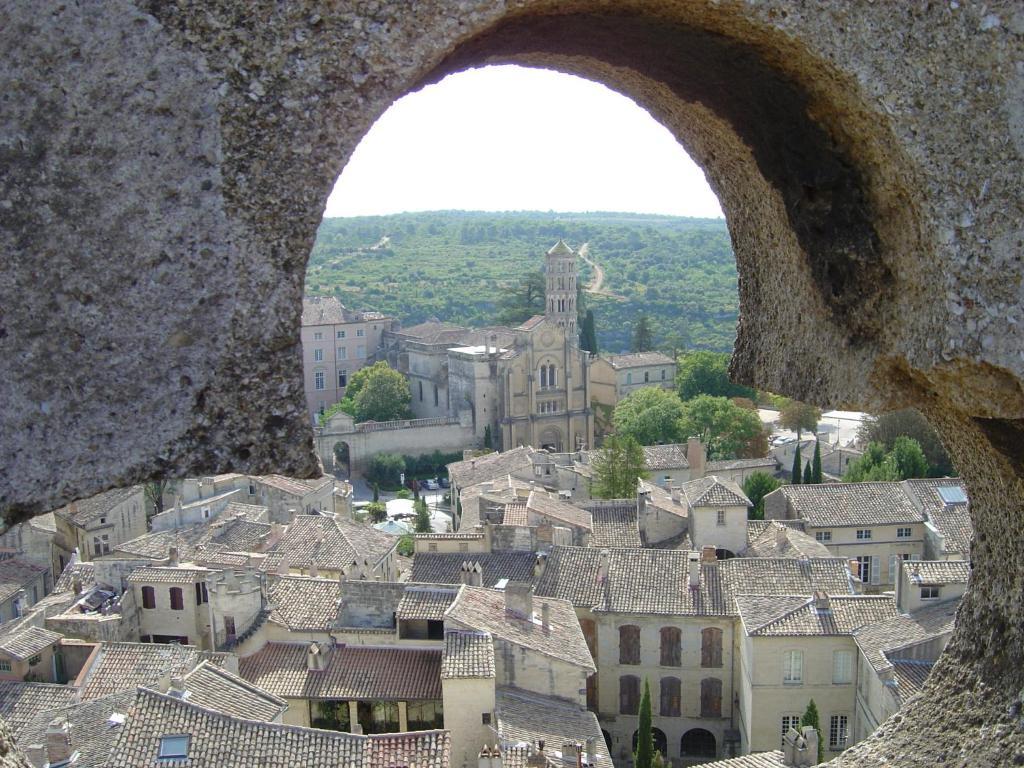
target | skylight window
x=173, y=747
x=953, y=494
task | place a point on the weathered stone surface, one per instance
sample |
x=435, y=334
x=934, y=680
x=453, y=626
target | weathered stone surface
x=163, y=168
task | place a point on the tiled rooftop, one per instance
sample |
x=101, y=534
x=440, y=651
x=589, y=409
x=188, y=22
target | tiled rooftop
x=446, y=567
x=614, y=525
x=662, y=457
x=777, y=540
x=638, y=360
x=21, y=702
x=85, y=510
x=712, y=491
x=798, y=615
x=293, y=485
x=467, y=654
x=332, y=543
x=483, y=610
x=952, y=519
x=27, y=642
x=92, y=734
x=15, y=575
x=304, y=603
x=215, y=688
x=725, y=465
x=527, y=717
x=542, y=503
x=910, y=676
x=938, y=571
x=328, y=310
x=833, y=505
x=85, y=572
x=125, y=665
x=490, y=467
x=351, y=672
x=196, y=542
x=878, y=639
x=772, y=759
x=168, y=575
x=221, y=741
x=425, y=602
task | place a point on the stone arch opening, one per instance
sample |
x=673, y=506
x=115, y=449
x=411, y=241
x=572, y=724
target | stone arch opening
x=659, y=738
x=698, y=742
x=829, y=135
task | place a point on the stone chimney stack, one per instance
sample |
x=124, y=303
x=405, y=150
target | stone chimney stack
x=603, y=566
x=707, y=554
x=800, y=750
x=519, y=599
x=693, y=564
x=545, y=616
x=76, y=585
x=695, y=458
x=781, y=535
x=172, y=557
x=821, y=603
x=489, y=757
x=58, y=741
x=315, y=661
x=476, y=577
x=675, y=490
x=314, y=571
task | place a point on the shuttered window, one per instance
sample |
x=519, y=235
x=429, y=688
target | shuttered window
x=148, y=597
x=792, y=667
x=711, y=647
x=629, y=644
x=629, y=695
x=671, y=696
x=710, y=697
x=177, y=599
x=671, y=647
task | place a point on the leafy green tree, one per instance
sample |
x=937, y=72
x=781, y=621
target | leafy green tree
x=756, y=487
x=707, y=373
x=645, y=736
x=799, y=417
x=643, y=335
x=910, y=460
x=324, y=417
x=810, y=717
x=406, y=546
x=618, y=466
x=377, y=511
x=386, y=469
x=588, y=333
x=650, y=415
x=724, y=427
x=906, y=460
x=909, y=423
x=422, y=521
x=524, y=301
x=816, y=476
x=808, y=474
x=385, y=395
x=154, y=492
x=795, y=474
x=488, y=439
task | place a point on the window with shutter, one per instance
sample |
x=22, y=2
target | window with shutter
x=177, y=599
x=892, y=569
x=711, y=647
x=148, y=597
x=671, y=650
x=629, y=694
x=671, y=696
x=592, y=697
x=629, y=644
x=710, y=697
x=875, y=568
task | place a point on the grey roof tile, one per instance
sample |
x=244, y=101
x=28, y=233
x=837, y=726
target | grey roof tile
x=446, y=567
x=92, y=733
x=215, y=688
x=833, y=505
x=528, y=717
x=467, y=654
x=938, y=571
x=83, y=511
x=798, y=615
x=21, y=702
x=614, y=523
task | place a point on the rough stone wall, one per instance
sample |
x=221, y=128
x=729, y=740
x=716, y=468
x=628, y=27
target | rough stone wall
x=163, y=168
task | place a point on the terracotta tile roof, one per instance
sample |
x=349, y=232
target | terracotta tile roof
x=254, y=513
x=910, y=676
x=17, y=574
x=351, y=672
x=432, y=332
x=530, y=324
x=660, y=457
x=773, y=759
x=26, y=643
x=528, y=717
x=220, y=741
x=293, y=485
x=367, y=540
x=938, y=571
x=214, y=688
x=21, y=702
x=328, y=310
x=656, y=581
x=777, y=540
x=679, y=541
x=483, y=610
x=724, y=465
x=615, y=524
x=451, y=536
x=756, y=527
x=195, y=542
x=490, y=467
x=467, y=654
x=638, y=360
x=711, y=491
x=332, y=543
x=83, y=511
x=880, y=638
x=92, y=734
x=85, y=572
x=124, y=665
x=845, y=614
x=304, y=603
x=952, y=519
x=446, y=567
x=426, y=602
x=515, y=514
x=169, y=575
x=834, y=505
x=542, y=503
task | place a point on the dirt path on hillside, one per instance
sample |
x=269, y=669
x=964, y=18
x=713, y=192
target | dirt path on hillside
x=596, y=285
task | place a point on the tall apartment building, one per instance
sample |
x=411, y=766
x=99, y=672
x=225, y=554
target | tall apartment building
x=336, y=342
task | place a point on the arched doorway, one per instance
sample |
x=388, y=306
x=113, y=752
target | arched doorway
x=660, y=741
x=342, y=459
x=698, y=743
x=551, y=439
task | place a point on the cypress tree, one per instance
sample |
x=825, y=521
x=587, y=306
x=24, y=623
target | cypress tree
x=795, y=471
x=488, y=440
x=422, y=522
x=810, y=717
x=816, y=470
x=644, y=757
x=808, y=478
x=376, y=492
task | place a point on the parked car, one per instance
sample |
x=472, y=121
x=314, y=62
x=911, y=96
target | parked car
x=431, y=484
x=444, y=482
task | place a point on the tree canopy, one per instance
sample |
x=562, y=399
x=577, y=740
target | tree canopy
x=650, y=415
x=810, y=717
x=644, y=757
x=588, y=333
x=524, y=301
x=618, y=466
x=909, y=423
x=707, y=373
x=799, y=417
x=377, y=393
x=904, y=461
x=756, y=487
x=724, y=427
x=643, y=334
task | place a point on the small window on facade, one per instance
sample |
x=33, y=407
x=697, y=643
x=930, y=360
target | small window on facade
x=361, y=351
x=421, y=391
x=721, y=517
x=543, y=376
x=629, y=644
x=435, y=395
x=103, y=521
x=360, y=332
x=341, y=334
x=173, y=747
x=792, y=667
x=318, y=380
x=842, y=667
x=711, y=697
x=177, y=599
x=629, y=694
x=823, y=535
x=863, y=533
x=838, y=726
x=647, y=377
x=34, y=661
x=671, y=697
x=432, y=547
x=318, y=355
x=929, y=593
x=662, y=374
x=5, y=665
x=629, y=378
x=342, y=379
x=671, y=646
x=148, y=597
x=485, y=718
x=711, y=647
x=903, y=533
x=343, y=353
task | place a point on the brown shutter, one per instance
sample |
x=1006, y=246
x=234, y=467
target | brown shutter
x=710, y=697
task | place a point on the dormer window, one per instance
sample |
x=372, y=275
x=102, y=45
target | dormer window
x=173, y=747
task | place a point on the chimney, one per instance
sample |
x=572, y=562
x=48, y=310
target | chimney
x=489, y=757
x=695, y=458
x=58, y=741
x=76, y=585
x=603, y=566
x=545, y=616
x=315, y=661
x=476, y=577
x=464, y=572
x=810, y=756
x=538, y=566
x=314, y=571
x=675, y=490
x=781, y=535
x=519, y=599
x=572, y=752
x=821, y=603
x=707, y=553
x=789, y=747
x=172, y=557
x=693, y=563
x=177, y=686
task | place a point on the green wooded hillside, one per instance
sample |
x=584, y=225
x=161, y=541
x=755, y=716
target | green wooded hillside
x=455, y=266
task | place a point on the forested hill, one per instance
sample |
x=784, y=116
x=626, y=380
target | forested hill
x=457, y=265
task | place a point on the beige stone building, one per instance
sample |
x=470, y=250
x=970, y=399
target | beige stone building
x=613, y=377
x=97, y=525
x=336, y=342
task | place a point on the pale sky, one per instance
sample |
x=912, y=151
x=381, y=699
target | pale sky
x=509, y=138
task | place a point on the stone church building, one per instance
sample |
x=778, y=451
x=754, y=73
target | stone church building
x=529, y=384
